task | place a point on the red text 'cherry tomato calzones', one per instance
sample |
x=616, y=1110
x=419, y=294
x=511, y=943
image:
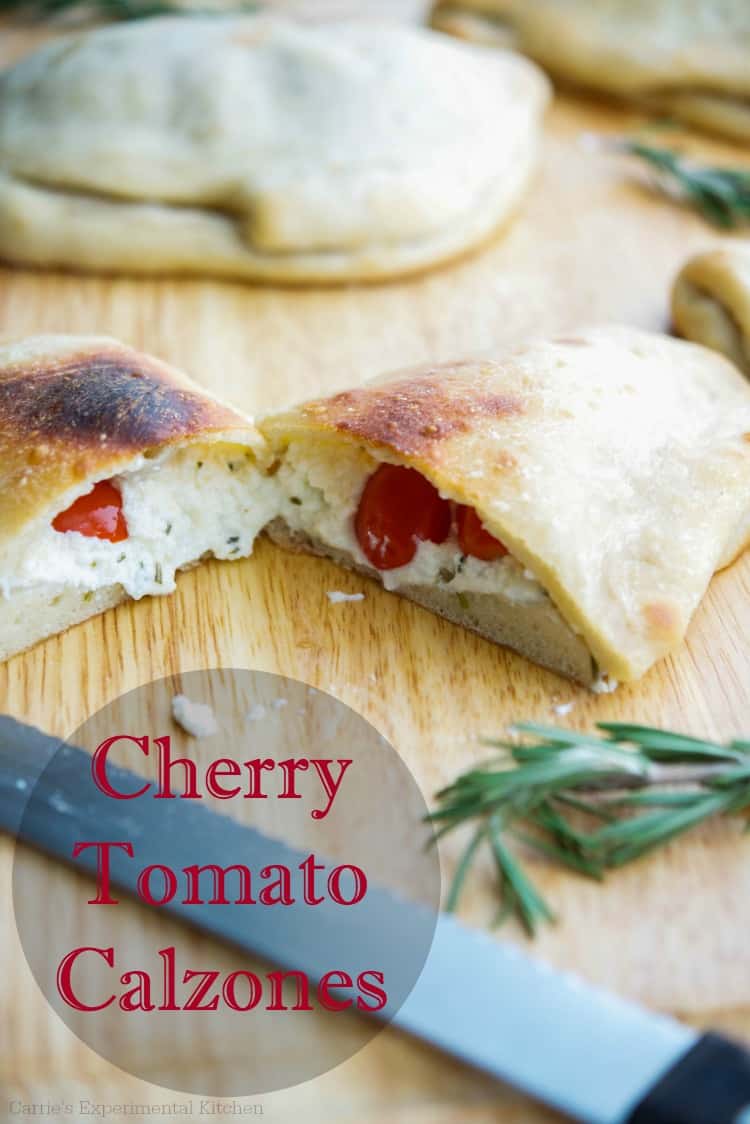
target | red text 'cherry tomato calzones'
x=98, y=514
x=399, y=508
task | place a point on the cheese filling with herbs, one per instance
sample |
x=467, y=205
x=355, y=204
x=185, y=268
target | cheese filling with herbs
x=178, y=506
x=319, y=498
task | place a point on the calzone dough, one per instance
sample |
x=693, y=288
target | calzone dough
x=82, y=414
x=253, y=147
x=711, y=301
x=613, y=465
x=687, y=58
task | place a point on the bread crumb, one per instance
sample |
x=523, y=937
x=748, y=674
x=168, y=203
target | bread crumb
x=278, y=704
x=563, y=708
x=336, y=596
x=604, y=685
x=196, y=719
x=255, y=713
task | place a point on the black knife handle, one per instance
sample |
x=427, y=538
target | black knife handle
x=709, y=1085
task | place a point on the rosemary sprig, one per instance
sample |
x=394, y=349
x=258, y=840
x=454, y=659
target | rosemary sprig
x=77, y=11
x=721, y=195
x=589, y=802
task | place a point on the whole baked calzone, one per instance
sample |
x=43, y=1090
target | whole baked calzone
x=115, y=471
x=571, y=500
x=257, y=148
x=689, y=58
x=711, y=301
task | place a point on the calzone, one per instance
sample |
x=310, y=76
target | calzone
x=687, y=58
x=115, y=472
x=571, y=499
x=254, y=147
x=711, y=301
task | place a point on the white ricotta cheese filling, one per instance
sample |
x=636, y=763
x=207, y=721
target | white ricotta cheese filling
x=180, y=505
x=319, y=498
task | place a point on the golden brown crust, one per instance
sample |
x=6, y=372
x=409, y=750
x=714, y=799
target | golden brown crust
x=73, y=409
x=413, y=415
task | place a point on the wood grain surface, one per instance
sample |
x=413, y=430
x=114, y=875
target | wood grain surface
x=592, y=242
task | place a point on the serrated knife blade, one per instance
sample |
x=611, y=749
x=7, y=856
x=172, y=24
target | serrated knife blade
x=590, y=1054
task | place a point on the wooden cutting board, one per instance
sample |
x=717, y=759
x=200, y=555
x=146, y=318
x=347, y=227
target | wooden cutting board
x=590, y=243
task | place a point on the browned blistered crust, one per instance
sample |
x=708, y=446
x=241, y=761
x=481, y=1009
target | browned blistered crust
x=413, y=414
x=73, y=414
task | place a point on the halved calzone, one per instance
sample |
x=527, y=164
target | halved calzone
x=256, y=147
x=711, y=301
x=115, y=471
x=570, y=500
x=688, y=58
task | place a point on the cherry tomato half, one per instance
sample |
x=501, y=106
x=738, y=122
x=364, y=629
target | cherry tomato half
x=474, y=539
x=398, y=507
x=98, y=514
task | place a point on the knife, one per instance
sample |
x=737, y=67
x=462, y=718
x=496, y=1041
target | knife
x=590, y=1054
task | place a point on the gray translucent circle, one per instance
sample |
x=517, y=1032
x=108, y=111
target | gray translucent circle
x=366, y=815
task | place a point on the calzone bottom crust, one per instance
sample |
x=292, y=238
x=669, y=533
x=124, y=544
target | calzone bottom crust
x=536, y=630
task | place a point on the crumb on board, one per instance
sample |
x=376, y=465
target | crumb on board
x=196, y=719
x=604, y=685
x=255, y=713
x=279, y=704
x=337, y=596
x=563, y=708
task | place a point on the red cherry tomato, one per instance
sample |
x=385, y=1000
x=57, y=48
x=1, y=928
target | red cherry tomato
x=98, y=514
x=397, y=508
x=474, y=539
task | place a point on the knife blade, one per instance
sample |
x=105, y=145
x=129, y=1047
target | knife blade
x=591, y=1054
